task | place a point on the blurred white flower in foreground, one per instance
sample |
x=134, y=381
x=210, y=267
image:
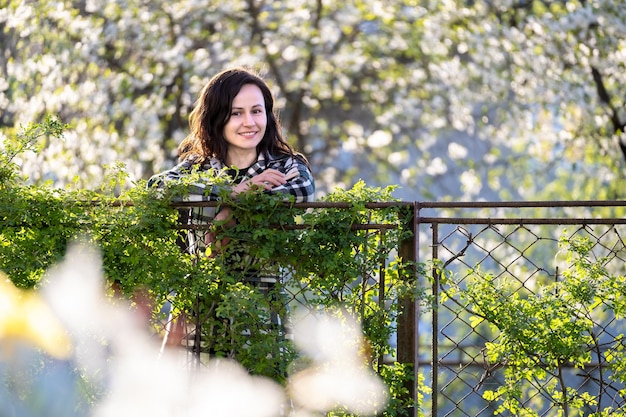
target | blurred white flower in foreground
x=340, y=376
x=141, y=380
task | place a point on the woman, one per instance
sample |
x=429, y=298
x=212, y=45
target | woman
x=234, y=129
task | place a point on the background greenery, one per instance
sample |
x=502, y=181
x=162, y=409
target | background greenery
x=448, y=99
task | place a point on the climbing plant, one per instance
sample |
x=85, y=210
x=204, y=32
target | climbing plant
x=544, y=340
x=318, y=254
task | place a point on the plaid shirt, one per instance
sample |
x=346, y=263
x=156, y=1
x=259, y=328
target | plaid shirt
x=302, y=187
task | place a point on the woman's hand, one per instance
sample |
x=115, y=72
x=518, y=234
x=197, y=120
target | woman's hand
x=266, y=180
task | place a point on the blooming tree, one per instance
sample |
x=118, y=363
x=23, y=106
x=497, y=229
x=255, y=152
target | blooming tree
x=458, y=99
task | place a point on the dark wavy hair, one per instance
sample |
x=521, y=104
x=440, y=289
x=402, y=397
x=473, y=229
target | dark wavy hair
x=212, y=111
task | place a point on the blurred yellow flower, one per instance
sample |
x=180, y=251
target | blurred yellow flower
x=25, y=317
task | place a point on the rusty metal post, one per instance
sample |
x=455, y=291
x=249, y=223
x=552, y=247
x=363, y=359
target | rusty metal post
x=407, y=320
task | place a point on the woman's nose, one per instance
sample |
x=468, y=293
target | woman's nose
x=248, y=120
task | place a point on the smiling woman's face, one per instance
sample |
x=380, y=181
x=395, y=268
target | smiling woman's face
x=248, y=120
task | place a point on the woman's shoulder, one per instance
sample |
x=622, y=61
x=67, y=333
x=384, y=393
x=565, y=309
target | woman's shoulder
x=287, y=163
x=286, y=158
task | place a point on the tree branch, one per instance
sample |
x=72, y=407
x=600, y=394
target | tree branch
x=605, y=98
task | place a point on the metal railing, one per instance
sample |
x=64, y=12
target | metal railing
x=513, y=241
x=365, y=281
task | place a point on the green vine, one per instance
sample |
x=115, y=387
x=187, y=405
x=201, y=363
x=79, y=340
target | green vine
x=323, y=259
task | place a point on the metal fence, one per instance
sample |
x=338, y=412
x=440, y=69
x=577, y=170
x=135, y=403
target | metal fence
x=514, y=242
x=363, y=287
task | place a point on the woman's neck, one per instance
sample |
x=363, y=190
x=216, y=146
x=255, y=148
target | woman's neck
x=241, y=159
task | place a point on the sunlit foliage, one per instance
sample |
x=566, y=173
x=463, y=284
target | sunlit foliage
x=449, y=99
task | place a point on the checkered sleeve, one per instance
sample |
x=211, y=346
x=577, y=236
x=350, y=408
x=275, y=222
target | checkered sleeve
x=300, y=183
x=195, y=192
